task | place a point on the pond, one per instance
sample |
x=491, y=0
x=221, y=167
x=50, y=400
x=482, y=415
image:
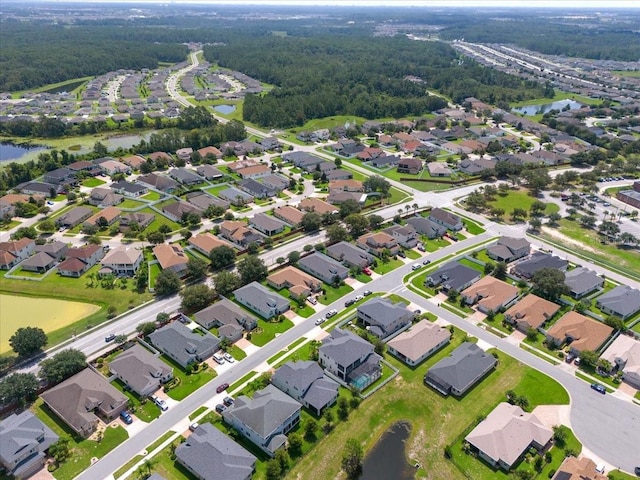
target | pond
x=125, y=141
x=11, y=151
x=545, y=107
x=46, y=313
x=225, y=109
x=387, y=458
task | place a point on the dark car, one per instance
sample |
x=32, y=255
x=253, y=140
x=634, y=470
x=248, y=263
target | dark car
x=599, y=388
x=349, y=302
x=126, y=417
x=228, y=401
x=220, y=408
x=401, y=254
x=637, y=471
x=110, y=337
x=222, y=387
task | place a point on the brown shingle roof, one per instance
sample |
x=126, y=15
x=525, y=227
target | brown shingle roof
x=170, y=255
x=207, y=242
x=587, y=334
x=533, y=310
x=493, y=293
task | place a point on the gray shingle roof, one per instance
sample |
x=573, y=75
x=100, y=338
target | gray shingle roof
x=266, y=223
x=261, y=297
x=623, y=299
x=582, y=280
x=453, y=275
x=426, y=226
x=383, y=311
x=350, y=254
x=139, y=368
x=180, y=343
x=462, y=367
x=323, y=265
x=307, y=378
x=19, y=434
x=345, y=347
x=214, y=456
x=225, y=312
x=539, y=261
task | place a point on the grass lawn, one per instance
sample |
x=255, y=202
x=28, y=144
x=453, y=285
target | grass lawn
x=483, y=257
x=284, y=352
x=236, y=385
x=92, y=182
x=131, y=203
x=122, y=470
x=332, y=294
x=236, y=352
x=618, y=475
x=266, y=331
x=519, y=199
x=10, y=225
x=188, y=383
x=152, y=196
x=471, y=264
x=383, y=268
x=154, y=271
x=145, y=410
x=472, y=227
x=82, y=449
x=199, y=411
x=412, y=254
x=159, y=220
x=431, y=245
x=436, y=421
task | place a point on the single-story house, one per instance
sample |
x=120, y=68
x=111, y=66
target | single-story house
x=624, y=355
x=539, y=260
x=439, y=169
x=254, y=171
x=209, y=172
x=580, y=332
x=229, y=318
x=289, y=214
x=256, y=189
x=205, y=242
x=384, y=161
x=261, y=300
x=622, y=301
x=506, y=434
x=141, y=219
x=129, y=189
x=109, y=215
x=377, y=242
x=301, y=159
x=300, y=284
x=238, y=233
x=39, y=188
x=104, y=197
x=109, y=166
x=350, y=255
x=419, y=342
x=264, y=419
x=573, y=468
x=74, y=217
x=490, y=294
x=306, y=382
x=140, y=370
x=336, y=197
x=185, y=176
x=409, y=165
x=81, y=399
x=175, y=210
x=202, y=201
x=159, y=182
x=426, y=227
x=210, y=151
x=382, y=317
x=446, y=219
x=122, y=261
x=461, y=370
x=60, y=176
x=235, y=196
x=267, y=224
x=508, y=249
x=346, y=185
x=453, y=276
x=530, y=312
x=323, y=267
x=39, y=262
x=275, y=182
x=581, y=281
x=312, y=204
x=171, y=257
x=183, y=345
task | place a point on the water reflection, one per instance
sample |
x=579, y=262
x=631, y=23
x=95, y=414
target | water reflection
x=387, y=460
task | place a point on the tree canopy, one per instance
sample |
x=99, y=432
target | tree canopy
x=28, y=340
x=62, y=365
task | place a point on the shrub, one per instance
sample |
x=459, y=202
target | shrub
x=447, y=452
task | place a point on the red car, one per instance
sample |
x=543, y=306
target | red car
x=366, y=271
x=222, y=387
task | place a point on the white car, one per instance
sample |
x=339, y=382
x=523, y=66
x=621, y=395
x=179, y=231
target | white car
x=160, y=403
x=331, y=313
x=358, y=298
x=415, y=266
x=229, y=358
x=320, y=320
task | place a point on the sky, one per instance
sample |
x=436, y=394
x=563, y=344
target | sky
x=579, y=4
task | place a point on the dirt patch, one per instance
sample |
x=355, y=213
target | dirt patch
x=570, y=241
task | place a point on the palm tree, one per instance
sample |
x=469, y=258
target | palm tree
x=407, y=207
x=415, y=207
x=628, y=238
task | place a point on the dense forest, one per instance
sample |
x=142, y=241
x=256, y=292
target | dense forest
x=327, y=75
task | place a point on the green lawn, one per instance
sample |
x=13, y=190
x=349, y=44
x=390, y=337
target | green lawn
x=412, y=254
x=9, y=225
x=471, y=264
x=188, y=383
x=618, y=475
x=284, y=352
x=82, y=449
x=159, y=220
x=472, y=227
x=332, y=294
x=152, y=196
x=363, y=278
x=122, y=470
x=431, y=245
x=142, y=408
x=92, y=182
x=131, y=203
x=266, y=331
x=236, y=385
x=519, y=199
x=236, y=352
x=199, y=411
x=383, y=268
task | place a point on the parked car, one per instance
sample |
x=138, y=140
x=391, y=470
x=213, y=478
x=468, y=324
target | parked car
x=220, y=408
x=160, y=403
x=366, y=271
x=222, y=387
x=312, y=300
x=193, y=426
x=401, y=254
x=599, y=388
x=358, y=298
x=349, y=302
x=366, y=293
x=421, y=247
x=331, y=313
x=229, y=358
x=426, y=262
x=49, y=202
x=110, y=337
x=218, y=358
x=415, y=266
x=228, y=401
x=570, y=357
x=319, y=321
x=126, y=417
x=576, y=362
x=636, y=470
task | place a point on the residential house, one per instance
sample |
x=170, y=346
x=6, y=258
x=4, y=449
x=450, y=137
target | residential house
x=74, y=217
x=275, y=182
x=185, y=176
x=122, y=261
x=159, y=182
x=312, y=204
x=264, y=419
x=256, y=189
x=300, y=284
x=254, y=171
x=56, y=249
x=531, y=312
x=385, y=161
x=322, y=167
x=624, y=356
x=338, y=174
x=506, y=434
x=107, y=215
x=39, y=188
x=85, y=166
x=461, y=370
x=184, y=154
x=323, y=267
x=79, y=260
x=210, y=151
x=382, y=317
x=134, y=161
x=270, y=143
x=171, y=257
x=8, y=202
x=261, y=300
x=183, y=345
x=490, y=294
x=238, y=233
x=477, y=166
x=369, y=153
x=409, y=165
x=140, y=370
x=579, y=332
x=109, y=166
x=320, y=135
x=350, y=255
x=446, y=219
x=15, y=251
x=209, y=454
x=60, y=176
x=176, y=210
x=622, y=301
x=573, y=468
x=289, y=214
x=267, y=224
x=508, y=249
x=539, y=260
x=235, y=196
x=229, y=318
x=419, y=342
x=83, y=399
x=306, y=382
x=141, y=219
x=439, y=169
x=453, y=276
x=104, y=197
x=39, y=262
x=202, y=200
x=580, y=281
x=426, y=227
x=162, y=156
x=301, y=159
x=350, y=358
x=405, y=235
x=209, y=172
x=377, y=242
x=205, y=242
x=24, y=440
x=346, y=185
x=336, y=197
x=129, y=189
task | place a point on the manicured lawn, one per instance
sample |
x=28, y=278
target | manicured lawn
x=236, y=352
x=143, y=409
x=283, y=352
x=236, y=385
x=472, y=227
x=152, y=196
x=130, y=203
x=10, y=225
x=122, y=470
x=618, y=475
x=471, y=264
x=483, y=257
x=332, y=294
x=383, y=268
x=412, y=254
x=154, y=271
x=519, y=199
x=431, y=245
x=197, y=412
x=82, y=449
x=159, y=220
x=266, y=331
x=92, y=182
x=188, y=383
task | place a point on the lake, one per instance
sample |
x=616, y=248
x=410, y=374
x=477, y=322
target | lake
x=11, y=151
x=387, y=459
x=225, y=109
x=545, y=107
x=125, y=141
